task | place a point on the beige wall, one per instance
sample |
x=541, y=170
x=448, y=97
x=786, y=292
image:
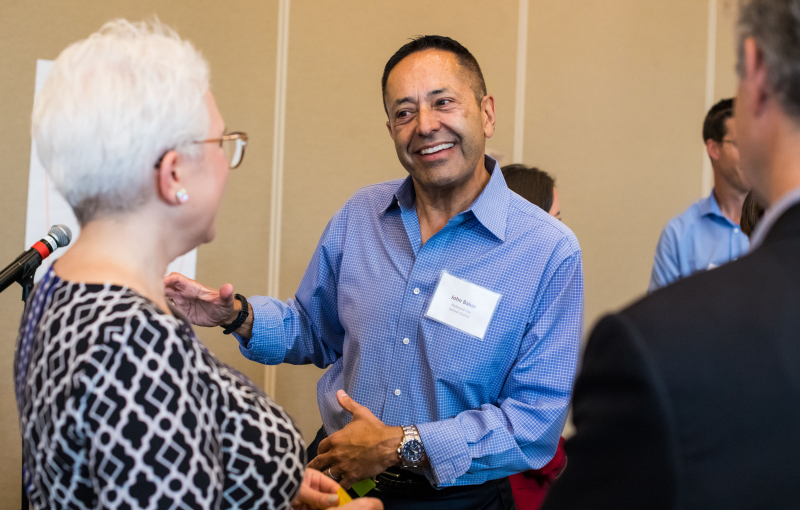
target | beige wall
x=614, y=110
x=614, y=102
x=725, y=62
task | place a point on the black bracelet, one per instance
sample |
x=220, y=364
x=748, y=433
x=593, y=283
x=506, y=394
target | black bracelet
x=243, y=314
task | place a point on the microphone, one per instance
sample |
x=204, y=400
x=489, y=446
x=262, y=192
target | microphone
x=24, y=266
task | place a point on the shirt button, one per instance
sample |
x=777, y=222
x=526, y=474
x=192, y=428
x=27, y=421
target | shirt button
x=406, y=340
x=736, y=230
x=416, y=291
x=397, y=392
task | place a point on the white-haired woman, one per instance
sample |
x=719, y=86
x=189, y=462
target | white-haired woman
x=120, y=405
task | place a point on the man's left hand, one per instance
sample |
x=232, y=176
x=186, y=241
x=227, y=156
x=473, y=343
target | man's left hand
x=364, y=448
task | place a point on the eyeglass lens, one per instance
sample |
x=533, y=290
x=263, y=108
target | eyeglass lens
x=234, y=151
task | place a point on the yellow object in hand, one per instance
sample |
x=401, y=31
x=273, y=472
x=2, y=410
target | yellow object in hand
x=344, y=497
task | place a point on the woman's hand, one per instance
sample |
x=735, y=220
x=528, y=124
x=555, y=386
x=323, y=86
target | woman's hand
x=319, y=492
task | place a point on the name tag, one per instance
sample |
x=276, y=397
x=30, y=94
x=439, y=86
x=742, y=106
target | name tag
x=463, y=305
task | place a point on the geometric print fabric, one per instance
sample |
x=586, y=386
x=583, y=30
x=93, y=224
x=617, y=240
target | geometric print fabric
x=122, y=407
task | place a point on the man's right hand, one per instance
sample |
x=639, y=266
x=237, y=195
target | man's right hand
x=202, y=305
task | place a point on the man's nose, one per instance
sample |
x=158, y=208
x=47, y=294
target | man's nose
x=428, y=122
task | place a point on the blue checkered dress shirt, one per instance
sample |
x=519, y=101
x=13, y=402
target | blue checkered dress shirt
x=484, y=408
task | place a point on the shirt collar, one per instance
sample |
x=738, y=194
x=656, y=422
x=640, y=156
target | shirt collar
x=771, y=215
x=709, y=206
x=490, y=208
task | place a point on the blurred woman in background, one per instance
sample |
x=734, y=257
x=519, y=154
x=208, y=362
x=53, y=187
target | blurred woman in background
x=751, y=214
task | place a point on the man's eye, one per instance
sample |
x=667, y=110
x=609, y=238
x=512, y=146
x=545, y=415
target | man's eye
x=403, y=114
x=443, y=102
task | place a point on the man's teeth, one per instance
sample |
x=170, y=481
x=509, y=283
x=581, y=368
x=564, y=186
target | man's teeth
x=438, y=148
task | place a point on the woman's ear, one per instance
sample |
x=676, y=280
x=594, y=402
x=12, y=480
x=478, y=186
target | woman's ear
x=169, y=182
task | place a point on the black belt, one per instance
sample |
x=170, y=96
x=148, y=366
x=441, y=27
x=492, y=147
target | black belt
x=399, y=482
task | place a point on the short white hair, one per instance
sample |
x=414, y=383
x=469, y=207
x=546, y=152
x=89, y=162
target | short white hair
x=112, y=105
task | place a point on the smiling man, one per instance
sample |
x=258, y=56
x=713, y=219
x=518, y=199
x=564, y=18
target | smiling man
x=448, y=308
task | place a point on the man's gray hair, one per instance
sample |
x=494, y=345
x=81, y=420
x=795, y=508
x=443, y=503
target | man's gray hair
x=775, y=26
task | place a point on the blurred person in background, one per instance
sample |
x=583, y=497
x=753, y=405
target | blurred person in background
x=538, y=187
x=534, y=185
x=707, y=235
x=690, y=398
x=120, y=405
x=752, y=212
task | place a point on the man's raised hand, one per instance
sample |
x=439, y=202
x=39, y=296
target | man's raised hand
x=202, y=305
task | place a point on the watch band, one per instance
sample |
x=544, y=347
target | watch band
x=410, y=431
x=243, y=314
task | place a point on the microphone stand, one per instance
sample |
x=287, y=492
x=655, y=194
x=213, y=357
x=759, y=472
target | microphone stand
x=29, y=266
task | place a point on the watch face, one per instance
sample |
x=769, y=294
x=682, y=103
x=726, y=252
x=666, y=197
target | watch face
x=413, y=450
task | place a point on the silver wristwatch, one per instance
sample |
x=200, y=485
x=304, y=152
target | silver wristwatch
x=412, y=451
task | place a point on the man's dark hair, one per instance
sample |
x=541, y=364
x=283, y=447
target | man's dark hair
x=438, y=42
x=532, y=184
x=714, y=127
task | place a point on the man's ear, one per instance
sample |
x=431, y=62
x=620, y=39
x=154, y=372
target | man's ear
x=713, y=149
x=755, y=78
x=389, y=127
x=487, y=111
x=169, y=178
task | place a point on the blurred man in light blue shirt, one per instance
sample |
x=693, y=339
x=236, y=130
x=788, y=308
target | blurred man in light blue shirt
x=707, y=235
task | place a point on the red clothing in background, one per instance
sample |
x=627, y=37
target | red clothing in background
x=530, y=487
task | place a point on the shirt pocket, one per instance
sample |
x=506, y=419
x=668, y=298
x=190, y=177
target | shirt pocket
x=460, y=360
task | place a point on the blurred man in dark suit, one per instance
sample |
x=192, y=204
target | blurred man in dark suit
x=690, y=398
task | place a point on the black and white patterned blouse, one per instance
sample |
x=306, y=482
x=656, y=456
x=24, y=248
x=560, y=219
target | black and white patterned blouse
x=122, y=407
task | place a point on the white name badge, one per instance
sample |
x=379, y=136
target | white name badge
x=463, y=305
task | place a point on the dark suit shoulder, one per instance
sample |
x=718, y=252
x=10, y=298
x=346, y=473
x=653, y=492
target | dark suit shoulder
x=726, y=344
x=718, y=316
x=623, y=453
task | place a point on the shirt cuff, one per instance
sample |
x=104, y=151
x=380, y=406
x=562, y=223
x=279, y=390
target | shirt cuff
x=266, y=344
x=446, y=449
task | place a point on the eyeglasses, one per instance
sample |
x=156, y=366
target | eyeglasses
x=232, y=144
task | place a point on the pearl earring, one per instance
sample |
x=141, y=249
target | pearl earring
x=182, y=195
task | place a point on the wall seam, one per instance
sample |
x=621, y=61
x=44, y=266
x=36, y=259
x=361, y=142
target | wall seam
x=278, y=148
x=707, y=176
x=522, y=69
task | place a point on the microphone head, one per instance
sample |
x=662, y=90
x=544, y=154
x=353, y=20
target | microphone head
x=62, y=235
